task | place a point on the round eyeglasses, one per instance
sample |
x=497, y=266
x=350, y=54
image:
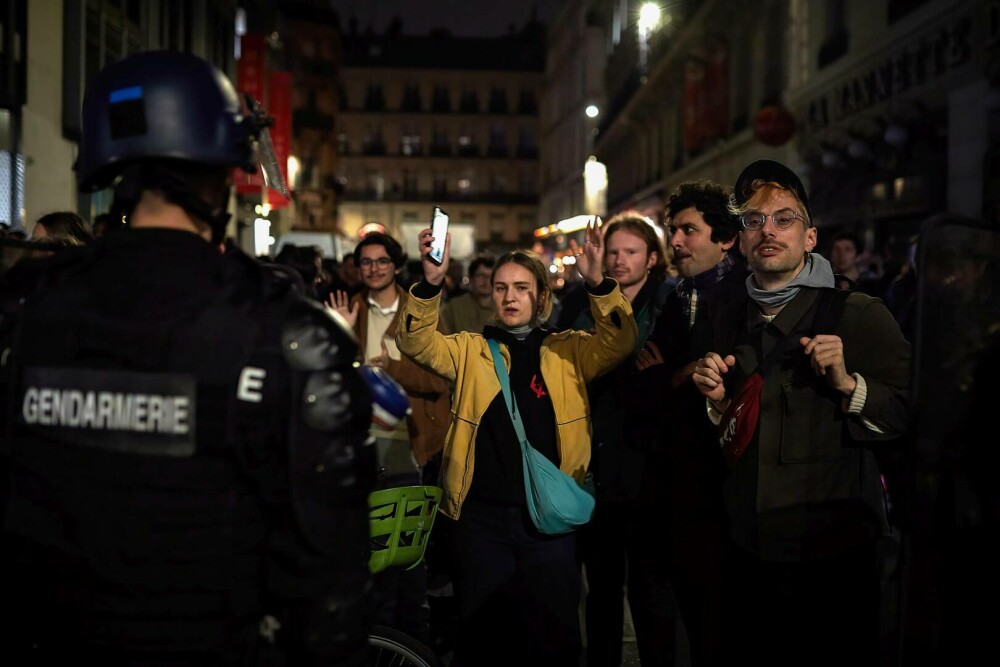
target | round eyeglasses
x=783, y=219
x=381, y=262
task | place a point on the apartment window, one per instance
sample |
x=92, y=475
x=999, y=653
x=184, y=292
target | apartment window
x=439, y=144
x=465, y=182
x=470, y=102
x=467, y=146
x=441, y=102
x=342, y=96
x=526, y=102
x=110, y=32
x=526, y=184
x=409, y=183
x=410, y=142
x=498, y=100
x=497, y=223
x=835, y=34
x=527, y=144
x=498, y=141
x=376, y=185
x=374, y=98
x=373, y=143
x=440, y=186
x=343, y=146
x=498, y=184
x=411, y=98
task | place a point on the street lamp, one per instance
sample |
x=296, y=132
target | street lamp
x=592, y=111
x=649, y=18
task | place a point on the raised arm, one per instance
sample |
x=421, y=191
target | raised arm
x=418, y=336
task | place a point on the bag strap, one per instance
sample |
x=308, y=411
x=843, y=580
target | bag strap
x=501, y=369
x=828, y=311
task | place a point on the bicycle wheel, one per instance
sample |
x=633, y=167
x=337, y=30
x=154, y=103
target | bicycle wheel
x=393, y=648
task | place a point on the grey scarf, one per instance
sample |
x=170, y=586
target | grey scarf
x=817, y=272
x=519, y=333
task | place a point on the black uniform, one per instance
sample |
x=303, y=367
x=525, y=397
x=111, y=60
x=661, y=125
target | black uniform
x=184, y=436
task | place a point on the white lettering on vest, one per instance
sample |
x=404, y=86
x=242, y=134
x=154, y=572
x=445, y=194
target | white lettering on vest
x=251, y=383
x=106, y=410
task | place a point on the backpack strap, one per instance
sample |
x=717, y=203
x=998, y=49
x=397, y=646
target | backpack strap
x=829, y=309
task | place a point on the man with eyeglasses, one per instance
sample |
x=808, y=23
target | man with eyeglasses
x=373, y=313
x=804, y=495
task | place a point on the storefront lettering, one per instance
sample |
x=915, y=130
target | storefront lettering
x=947, y=48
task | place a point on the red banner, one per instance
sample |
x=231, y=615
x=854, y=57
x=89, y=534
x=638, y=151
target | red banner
x=694, y=104
x=250, y=72
x=279, y=105
x=716, y=112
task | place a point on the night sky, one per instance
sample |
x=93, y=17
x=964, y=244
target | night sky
x=462, y=17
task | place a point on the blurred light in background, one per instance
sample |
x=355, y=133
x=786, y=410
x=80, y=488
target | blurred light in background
x=595, y=186
x=294, y=167
x=592, y=111
x=262, y=239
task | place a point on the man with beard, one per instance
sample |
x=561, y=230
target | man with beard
x=683, y=475
x=803, y=496
x=634, y=256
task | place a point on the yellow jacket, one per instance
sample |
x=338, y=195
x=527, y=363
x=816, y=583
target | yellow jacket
x=569, y=360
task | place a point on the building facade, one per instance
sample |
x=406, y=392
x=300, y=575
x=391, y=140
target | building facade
x=574, y=84
x=63, y=44
x=885, y=108
x=436, y=120
x=312, y=51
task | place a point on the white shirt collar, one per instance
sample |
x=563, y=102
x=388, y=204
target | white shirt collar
x=391, y=310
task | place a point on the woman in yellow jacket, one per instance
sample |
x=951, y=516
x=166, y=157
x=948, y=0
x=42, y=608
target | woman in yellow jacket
x=517, y=589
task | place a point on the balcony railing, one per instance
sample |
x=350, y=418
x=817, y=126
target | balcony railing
x=400, y=195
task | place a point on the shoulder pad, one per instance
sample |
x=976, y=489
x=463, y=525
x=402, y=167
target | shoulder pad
x=312, y=339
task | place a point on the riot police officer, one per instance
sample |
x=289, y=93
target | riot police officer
x=185, y=434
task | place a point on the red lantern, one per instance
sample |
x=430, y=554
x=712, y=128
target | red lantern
x=774, y=125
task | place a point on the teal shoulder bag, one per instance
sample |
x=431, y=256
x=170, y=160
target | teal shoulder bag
x=556, y=502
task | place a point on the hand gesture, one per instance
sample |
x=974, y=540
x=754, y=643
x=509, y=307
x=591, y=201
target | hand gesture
x=590, y=260
x=826, y=352
x=433, y=273
x=708, y=374
x=648, y=356
x=340, y=303
x=382, y=360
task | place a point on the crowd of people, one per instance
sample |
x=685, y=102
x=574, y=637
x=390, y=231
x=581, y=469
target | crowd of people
x=189, y=453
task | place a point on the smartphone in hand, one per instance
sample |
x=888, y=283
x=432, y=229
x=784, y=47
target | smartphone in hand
x=439, y=230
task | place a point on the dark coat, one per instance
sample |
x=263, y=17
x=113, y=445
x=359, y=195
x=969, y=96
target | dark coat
x=809, y=486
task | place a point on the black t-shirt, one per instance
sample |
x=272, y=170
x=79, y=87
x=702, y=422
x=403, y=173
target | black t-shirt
x=499, y=477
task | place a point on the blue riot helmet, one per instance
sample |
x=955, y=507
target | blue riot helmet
x=389, y=401
x=157, y=114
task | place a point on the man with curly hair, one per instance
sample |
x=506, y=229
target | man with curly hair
x=684, y=470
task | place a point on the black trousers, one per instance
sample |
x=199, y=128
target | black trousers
x=819, y=612
x=518, y=590
x=605, y=561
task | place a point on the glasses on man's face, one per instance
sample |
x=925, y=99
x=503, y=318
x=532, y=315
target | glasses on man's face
x=783, y=219
x=381, y=262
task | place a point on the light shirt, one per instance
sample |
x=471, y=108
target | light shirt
x=379, y=318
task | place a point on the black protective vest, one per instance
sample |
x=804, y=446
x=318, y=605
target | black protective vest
x=147, y=458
